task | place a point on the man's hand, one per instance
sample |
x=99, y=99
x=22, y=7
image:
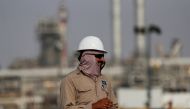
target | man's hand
x=104, y=103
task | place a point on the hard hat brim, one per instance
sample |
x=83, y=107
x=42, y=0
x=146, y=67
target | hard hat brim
x=100, y=51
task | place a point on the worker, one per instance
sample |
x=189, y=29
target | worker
x=86, y=87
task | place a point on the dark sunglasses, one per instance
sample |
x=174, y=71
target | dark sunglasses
x=99, y=55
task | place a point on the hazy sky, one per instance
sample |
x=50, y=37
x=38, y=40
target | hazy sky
x=18, y=19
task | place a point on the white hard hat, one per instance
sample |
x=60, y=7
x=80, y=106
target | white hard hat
x=91, y=43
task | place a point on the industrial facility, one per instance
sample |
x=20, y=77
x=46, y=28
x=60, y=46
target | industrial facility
x=142, y=81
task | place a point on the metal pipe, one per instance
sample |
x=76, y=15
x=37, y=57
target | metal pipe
x=117, y=30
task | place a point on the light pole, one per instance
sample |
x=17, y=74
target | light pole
x=149, y=30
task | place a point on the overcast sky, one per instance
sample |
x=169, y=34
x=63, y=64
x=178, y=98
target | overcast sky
x=18, y=19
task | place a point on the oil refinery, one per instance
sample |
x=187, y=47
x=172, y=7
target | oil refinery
x=140, y=82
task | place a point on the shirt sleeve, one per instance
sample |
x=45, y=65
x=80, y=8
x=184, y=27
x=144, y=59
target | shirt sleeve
x=68, y=96
x=113, y=97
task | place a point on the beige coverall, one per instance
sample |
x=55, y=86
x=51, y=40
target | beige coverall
x=78, y=91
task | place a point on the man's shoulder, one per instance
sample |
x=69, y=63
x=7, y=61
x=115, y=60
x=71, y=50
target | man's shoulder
x=72, y=74
x=71, y=77
x=106, y=78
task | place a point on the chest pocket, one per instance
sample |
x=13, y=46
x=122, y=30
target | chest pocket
x=83, y=85
x=85, y=93
x=84, y=88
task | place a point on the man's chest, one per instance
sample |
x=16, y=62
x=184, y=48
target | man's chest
x=90, y=90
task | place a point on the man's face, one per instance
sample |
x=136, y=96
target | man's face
x=99, y=58
x=93, y=58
